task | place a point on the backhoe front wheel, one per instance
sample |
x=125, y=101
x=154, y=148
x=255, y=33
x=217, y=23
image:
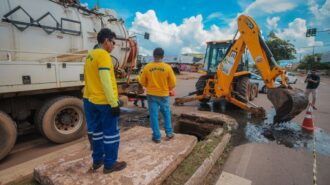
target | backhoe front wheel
x=62, y=119
x=8, y=134
x=200, y=85
x=242, y=88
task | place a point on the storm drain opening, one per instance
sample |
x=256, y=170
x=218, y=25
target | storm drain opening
x=195, y=125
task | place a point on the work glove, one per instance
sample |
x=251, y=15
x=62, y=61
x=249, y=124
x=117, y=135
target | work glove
x=115, y=111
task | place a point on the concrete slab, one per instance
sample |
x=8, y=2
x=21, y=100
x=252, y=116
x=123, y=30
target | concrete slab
x=147, y=162
x=231, y=179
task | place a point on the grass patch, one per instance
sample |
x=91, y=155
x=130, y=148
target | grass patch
x=201, y=151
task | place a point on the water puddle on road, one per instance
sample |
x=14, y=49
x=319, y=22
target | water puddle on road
x=289, y=134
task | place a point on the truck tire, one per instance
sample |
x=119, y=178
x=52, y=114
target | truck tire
x=62, y=119
x=200, y=85
x=8, y=134
x=242, y=88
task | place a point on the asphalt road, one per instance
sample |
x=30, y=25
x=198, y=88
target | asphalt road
x=272, y=162
x=277, y=164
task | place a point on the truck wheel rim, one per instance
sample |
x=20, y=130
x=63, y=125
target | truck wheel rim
x=68, y=120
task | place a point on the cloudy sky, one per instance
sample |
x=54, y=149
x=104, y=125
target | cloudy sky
x=184, y=26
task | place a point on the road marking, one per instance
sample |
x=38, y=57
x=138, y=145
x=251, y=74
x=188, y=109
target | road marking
x=231, y=179
x=314, y=156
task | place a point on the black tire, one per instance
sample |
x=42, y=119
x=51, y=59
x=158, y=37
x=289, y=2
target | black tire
x=8, y=134
x=200, y=85
x=62, y=119
x=242, y=88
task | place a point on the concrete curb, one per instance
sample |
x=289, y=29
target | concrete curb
x=201, y=173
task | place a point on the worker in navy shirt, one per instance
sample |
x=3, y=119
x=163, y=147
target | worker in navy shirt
x=313, y=82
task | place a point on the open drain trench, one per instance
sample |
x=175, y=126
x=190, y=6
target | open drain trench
x=184, y=124
x=194, y=125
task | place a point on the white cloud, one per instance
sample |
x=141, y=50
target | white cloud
x=244, y=3
x=190, y=36
x=296, y=34
x=272, y=23
x=262, y=7
x=215, y=15
x=321, y=13
x=84, y=4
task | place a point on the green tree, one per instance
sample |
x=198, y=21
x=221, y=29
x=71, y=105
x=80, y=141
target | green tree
x=313, y=62
x=281, y=49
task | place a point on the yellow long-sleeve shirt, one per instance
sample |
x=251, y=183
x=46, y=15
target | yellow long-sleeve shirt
x=100, y=81
x=158, y=78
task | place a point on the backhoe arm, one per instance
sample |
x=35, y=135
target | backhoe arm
x=261, y=54
x=288, y=102
x=250, y=38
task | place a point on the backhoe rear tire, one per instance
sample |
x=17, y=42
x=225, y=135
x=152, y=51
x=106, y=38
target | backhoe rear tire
x=62, y=119
x=200, y=85
x=243, y=89
x=8, y=134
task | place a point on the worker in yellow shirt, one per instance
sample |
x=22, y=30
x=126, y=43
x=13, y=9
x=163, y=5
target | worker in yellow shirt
x=158, y=78
x=101, y=104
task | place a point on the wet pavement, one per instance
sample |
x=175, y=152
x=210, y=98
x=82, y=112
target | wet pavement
x=133, y=117
x=289, y=134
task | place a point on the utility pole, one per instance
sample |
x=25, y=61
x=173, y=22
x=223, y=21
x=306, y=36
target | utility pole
x=311, y=32
x=310, y=63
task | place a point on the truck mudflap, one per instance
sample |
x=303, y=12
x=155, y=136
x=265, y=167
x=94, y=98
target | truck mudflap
x=288, y=102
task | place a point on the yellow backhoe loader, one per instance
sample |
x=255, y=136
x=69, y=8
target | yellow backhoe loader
x=227, y=79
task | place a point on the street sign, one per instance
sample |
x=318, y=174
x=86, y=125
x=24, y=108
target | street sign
x=146, y=35
x=311, y=32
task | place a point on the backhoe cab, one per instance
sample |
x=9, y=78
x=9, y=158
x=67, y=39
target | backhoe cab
x=227, y=76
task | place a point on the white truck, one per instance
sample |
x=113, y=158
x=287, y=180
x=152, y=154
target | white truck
x=43, y=44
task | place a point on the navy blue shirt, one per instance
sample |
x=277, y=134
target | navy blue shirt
x=312, y=85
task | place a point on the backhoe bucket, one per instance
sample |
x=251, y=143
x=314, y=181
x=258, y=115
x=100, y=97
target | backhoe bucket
x=287, y=102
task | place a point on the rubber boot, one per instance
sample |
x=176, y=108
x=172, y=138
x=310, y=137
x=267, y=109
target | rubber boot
x=90, y=139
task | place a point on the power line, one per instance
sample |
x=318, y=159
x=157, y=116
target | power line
x=314, y=46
